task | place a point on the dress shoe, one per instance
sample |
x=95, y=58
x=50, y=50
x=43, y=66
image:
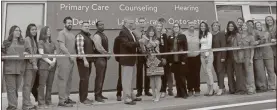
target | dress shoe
x=69, y=101
x=148, y=94
x=130, y=103
x=65, y=104
x=177, y=96
x=87, y=102
x=139, y=94
x=190, y=93
x=137, y=99
x=118, y=98
x=103, y=97
x=197, y=94
x=99, y=99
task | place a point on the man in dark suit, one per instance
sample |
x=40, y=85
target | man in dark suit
x=141, y=64
x=116, y=50
x=178, y=62
x=128, y=45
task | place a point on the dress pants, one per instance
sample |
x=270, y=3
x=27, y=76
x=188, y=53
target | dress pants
x=141, y=72
x=64, y=78
x=101, y=67
x=46, y=78
x=167, y=79
x=84, y=73
x=119, y=83
x=13, y=83
x=180, y=72
x=193, y=76
x=128, y=77
x=262, y=82
x=35, y=87
x=28, y=82
x=230, y=70
x=219, y=70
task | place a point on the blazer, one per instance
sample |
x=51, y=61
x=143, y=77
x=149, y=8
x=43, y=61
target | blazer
x=182, y=46
x=219, y=41
x=127, y=46
x=163, y=45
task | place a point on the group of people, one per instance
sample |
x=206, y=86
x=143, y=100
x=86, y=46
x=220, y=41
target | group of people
x=248, y=70
x=38, y=73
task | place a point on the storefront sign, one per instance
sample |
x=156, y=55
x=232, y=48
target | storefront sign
x=113, y=13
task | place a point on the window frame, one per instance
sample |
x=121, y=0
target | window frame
x=4, y=20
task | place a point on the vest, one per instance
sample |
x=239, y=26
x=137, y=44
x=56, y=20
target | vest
x=104, y=40
x=88, y=44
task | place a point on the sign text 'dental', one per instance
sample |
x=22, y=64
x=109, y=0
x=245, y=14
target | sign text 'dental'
x=113, y=13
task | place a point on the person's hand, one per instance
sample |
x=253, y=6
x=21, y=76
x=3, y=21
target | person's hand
x=183, y=63
x=86, y=64
x=25, y=53
x=35, y=67
x=273, y=40
x=257, y=42
x=71, y=59
x=52, y=63
x=207, y=54
x=108, y=57
x=170, y=64
x=163, y=61
x=251, y=61
x=222, y=60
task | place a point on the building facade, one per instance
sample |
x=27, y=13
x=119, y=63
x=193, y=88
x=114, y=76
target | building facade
x=51, y=13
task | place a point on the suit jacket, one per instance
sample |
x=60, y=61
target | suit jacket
x=182, y=46
x=163, y=45
x=127, y=46
x=219, y=41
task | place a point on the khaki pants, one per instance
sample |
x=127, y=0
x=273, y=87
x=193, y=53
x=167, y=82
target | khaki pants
x=13, y=82
x=64, y=78
x=128, y=77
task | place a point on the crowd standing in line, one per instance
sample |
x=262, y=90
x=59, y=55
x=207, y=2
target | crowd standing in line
x=248, y=70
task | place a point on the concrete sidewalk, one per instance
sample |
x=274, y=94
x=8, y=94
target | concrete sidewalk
x=146, y=103
x=111, y=99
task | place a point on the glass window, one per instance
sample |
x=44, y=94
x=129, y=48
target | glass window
x=29, y=13
x=273, y=8
x=227, y=13
x=259, y=10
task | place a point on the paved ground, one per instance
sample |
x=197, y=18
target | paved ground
x=265, y=100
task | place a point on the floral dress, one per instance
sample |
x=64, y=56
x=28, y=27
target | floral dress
x=153, y=62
